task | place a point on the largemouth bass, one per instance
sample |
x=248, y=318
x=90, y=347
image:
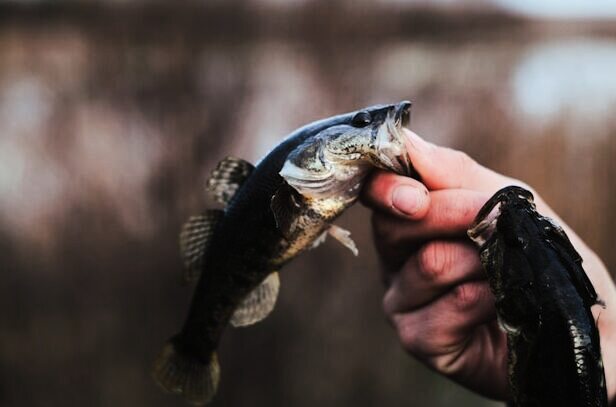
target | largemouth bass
x=543, y=302
x=274, y=211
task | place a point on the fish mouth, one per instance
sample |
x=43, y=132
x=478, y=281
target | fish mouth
x=482, y=230
x=392, y=153
x=402, y=114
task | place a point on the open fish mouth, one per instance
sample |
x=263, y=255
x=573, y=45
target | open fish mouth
x=402, y=115
x=392, y=153
x=483, y=227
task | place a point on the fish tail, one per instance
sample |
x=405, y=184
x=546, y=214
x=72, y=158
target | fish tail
x=180, y=372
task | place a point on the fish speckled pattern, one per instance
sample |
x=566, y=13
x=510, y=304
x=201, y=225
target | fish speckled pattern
x=275, y=210
x=543, y=303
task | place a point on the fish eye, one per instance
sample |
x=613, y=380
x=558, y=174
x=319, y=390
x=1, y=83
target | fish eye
x=361, y=119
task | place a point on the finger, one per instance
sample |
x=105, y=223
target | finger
x=392, y=254
x=450, y=214
x=443, y=327
x=432, y=271
x=397, y=195
x=442, y=167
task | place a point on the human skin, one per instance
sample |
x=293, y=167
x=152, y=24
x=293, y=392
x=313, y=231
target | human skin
x=437, y=297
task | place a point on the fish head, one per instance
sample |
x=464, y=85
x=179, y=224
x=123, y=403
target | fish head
x=372, y=136
x=502, y=230
x=334, y=160
x=502, y=216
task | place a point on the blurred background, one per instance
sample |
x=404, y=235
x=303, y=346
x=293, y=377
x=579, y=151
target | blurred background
x=112, y=113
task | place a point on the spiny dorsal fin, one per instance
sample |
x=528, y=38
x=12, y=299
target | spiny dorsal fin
x=258, y=303
x=194, y=238
x=227, y=178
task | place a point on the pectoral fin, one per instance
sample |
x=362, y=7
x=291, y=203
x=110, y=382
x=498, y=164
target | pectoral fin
x=572, y=259
x=258, y=303
x=227, y=178
x=286, y=205
x=344, y=237
x=194, y=241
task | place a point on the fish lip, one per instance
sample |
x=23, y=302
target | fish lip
x=402, y=115
x=400, y=162
x=482, y=231
x=402, y=118
x=483, y=227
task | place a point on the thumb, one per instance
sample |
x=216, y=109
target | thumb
x=444, y=168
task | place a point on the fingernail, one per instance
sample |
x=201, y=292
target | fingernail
x=408, y=199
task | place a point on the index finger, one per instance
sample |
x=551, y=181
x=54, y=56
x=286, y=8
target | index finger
x=443, y=167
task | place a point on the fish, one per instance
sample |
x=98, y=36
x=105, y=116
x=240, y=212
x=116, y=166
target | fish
x=273, y=211
x=543, y=300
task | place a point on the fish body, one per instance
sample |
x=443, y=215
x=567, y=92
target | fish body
x=543, y=302
x=274, y=211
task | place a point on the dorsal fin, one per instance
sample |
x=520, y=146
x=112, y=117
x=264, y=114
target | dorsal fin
x=258, y=303
x=194, y=238
x=227, y=178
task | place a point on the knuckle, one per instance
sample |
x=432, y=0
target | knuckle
x=464, y=162
x=407, y=334
x=464, y=208
x=467, y=295
x=425, y=342
x=434, y=259
x=458, y=213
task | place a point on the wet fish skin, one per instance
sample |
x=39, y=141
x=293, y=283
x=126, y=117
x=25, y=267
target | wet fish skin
x=543, y=302
x=284, y=206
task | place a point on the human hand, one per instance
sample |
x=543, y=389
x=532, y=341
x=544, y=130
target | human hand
x=437, y=296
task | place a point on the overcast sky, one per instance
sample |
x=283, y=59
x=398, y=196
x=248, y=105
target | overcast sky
x=538, y=8
x=562, y=8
